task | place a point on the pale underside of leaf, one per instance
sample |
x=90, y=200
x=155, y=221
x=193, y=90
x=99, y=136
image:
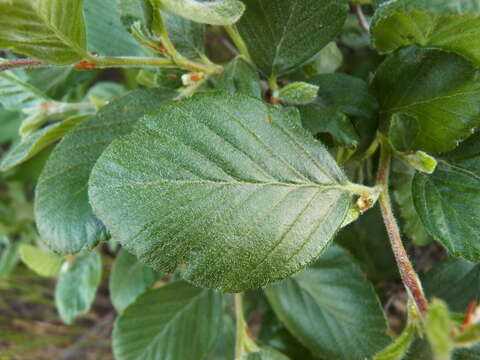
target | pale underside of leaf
x=217, y=12
x=51, y=30
x=232, y=187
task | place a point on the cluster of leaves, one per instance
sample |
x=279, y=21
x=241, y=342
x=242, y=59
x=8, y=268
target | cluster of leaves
x=245, y=184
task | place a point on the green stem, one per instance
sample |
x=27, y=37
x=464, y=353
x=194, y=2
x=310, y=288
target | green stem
x=109, y=62
x=160, y=30
x=409, y=276
x=238, y=41
x=243, y=343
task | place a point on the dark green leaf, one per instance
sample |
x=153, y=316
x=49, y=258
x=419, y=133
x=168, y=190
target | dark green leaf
x=77, y=286
x=463, y=279
x=187, y=36
x=345, y=108
x=106, y=35
x=129, y=279
x=403, y=131
x=282, y=35
x=448, y=201
x=331, y=309
x=452, y=25
x=440, y=90
x=64, y=217
x=227, y=184
x=50, y=30
x=240, y=77
x=174, y=322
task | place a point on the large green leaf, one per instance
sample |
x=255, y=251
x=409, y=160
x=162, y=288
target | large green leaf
x=213, y=12
x=448, y=201
x=452, y=25
x=129, y=279
x=440, y=90
x=282, y=35
x=35, y=143
x=331, y=308
x=16, y=93
x=64, y=217
x=77, y=286
x=227, y=184
x=462, y=277
x=50, y=30
x=174, y=322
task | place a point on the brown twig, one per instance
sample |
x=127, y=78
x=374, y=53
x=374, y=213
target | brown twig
x=25, y=63
x=409, y=276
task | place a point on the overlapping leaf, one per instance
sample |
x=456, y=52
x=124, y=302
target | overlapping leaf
x=452, y=25
x=227, y=184
x=282, y=35
x=50, y=30
x=448, y=201
x=175, y=322
x=63, y=215
x=40, y=261
x=331, y=309
x=440, y=90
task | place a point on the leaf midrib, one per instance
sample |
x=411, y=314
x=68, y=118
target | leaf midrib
x=231, y=183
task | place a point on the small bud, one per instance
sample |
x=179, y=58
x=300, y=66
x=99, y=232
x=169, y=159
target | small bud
x=192, y=78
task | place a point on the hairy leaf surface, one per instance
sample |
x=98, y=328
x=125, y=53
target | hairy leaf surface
x=282, y=35
x=63, y=215
x=331, y=308
x=174, y=322
x=440, y=90
x=50, y=30
x=227, y=184
x=448, y=201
